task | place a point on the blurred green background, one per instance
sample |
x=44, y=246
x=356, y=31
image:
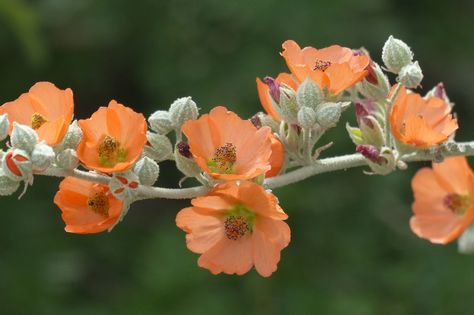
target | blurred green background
x=352, y=251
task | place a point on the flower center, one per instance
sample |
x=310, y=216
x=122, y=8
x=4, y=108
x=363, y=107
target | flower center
x=457, y=203
x=321, y=65
x=238, y=222
x=110, y=152
x=37, y=120
x=224, y=159
x=99, y=203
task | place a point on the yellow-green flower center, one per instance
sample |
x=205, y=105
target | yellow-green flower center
x=224, y=159
x=111, y=152
x=99, y=203
x=37, y=120
x=457, y=203
x=238, y=222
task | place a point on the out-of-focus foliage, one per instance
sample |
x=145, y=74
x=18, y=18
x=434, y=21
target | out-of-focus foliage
x=351, y=252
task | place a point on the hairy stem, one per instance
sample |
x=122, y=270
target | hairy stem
x=320, y=166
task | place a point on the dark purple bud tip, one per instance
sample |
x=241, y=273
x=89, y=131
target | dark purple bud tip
x=274, y=88
x=183, y=149
x=369, y=152
x=440, y=91
x=296, y=128
x=255, y=120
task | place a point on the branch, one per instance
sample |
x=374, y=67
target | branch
x=321, y=166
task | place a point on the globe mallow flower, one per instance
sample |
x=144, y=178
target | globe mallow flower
x=421, y=122
x=235, y=227
x=444, y=200
x=87, y=207
x=335, y=68
x=228, y=147
x=45, y=108
x=113, y=140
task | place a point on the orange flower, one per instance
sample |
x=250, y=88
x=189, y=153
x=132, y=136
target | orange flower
x=443, y=206
x=421, y=122
x=236, y=227
x=45, y=108
x=277, y=159
x=227, y=147
x=335, y=68
x=113, y=139
x=87, y=207
x=265, y=92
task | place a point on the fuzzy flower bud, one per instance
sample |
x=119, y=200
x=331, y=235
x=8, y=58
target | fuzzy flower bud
x=17, y=165
x=185, y=164
x=71, y=139
x=267, y=120
x=439, y=91
x=67, y=159
x=288, y=104
x=23, y=137
x=161, y=145
x=309, y=94
x=147, y=171
x=306, y=117
x=274, y=88
x=376, y=87
x=328, y=114
x=182, y=110
x=160, y=122
x=7, y=185
x=411, y=75
x=124, y=186
x=4, y=126
x=396, y=54
x=42, y=157
x=466, y=241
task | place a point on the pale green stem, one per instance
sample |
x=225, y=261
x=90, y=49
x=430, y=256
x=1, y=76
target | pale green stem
x=388, y=134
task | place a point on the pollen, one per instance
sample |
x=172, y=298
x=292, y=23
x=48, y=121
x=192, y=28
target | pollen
x=37, y=120
x=110, y=151
x=457, y=203
x=236, y=227
x=322, y=65
x=224, y=159
x=99, y=203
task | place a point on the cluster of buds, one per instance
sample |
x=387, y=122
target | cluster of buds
x=111, y=159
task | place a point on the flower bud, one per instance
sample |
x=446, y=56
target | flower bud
x=67, y=159
x=439, y=91
x=466, y=241
x=17, y=165
x=7, y=185
x=124, y=186
x=4, y=126
x=328, y=114
x=306, y=117
x=147, y=171
x=161, y=145
x=309, y=94
x=274, y=88
x=372, y=131
x=288, y=105
x=267, y=120
x=378, y=88
x=182, y=110
x=411, y=75
x=186, y=165
x=23, y=137
x=42, y=157
x=160, y=122
x=71, y=139
x=396, y=54
x=355, y=134
x=382, y=164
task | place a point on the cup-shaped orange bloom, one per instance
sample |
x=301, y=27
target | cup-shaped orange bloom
x=421, y=122
x=228, y=147
x=45, y=108
x=236, y=227
x=265, y=92
x=444, y=200
x=114, y=138
x=87, y=207
x=335, y=68
x=277, y=159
